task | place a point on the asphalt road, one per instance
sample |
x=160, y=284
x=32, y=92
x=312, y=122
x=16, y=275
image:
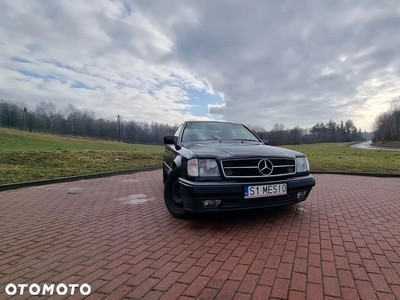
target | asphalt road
x=367, y=145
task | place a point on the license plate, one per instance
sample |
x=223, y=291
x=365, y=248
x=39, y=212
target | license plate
x=259, y=191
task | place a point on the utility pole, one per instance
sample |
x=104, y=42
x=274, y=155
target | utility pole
x=118, y=129
x=25, y=120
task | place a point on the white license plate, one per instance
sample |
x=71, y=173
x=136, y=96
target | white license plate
x=259, y=191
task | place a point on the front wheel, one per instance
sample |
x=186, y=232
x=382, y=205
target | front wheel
x=172, y=195
x=164, y=175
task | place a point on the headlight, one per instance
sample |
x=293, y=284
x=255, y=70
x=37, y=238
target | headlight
x=202, y=167
x=302, y=164
x=192, y=167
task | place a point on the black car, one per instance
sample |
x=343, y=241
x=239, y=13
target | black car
x=218, y=166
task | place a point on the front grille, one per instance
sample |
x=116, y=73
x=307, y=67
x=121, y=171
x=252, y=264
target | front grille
x=243, y=168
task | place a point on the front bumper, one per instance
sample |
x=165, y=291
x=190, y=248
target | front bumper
x=231, y=193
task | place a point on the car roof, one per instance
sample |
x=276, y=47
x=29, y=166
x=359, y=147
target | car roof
x=199, y=121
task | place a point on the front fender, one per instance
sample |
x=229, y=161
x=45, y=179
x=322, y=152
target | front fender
x=177, y=161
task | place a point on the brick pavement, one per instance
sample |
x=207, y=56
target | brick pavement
x=116, y=234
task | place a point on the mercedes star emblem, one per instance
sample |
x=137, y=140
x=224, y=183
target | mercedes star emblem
x=265, y=166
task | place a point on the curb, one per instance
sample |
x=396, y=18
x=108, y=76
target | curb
x=12, y=186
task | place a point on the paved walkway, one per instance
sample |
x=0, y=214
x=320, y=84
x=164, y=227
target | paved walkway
x=368, y=145
x=116, y=234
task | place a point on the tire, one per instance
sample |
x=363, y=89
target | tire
x=172, y=196
x=164, y=175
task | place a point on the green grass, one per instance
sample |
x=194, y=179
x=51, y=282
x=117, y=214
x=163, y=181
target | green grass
x=15, y=140
x=339, y=157
x=28, y=156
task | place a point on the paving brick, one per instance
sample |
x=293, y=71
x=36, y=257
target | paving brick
x=396, y=290
x=379, y=283
x=165, y=270
x=228, y=290
x=186, y=265
x=385, y=296
x=113, y=284
x=314, y=275
x=263, y=254
x=391, y=276
x=140, y=277
x=371, y=266
x=239, y=272
x=174, y=292
x=230, y=263
x=382, y=261
x=168, y=281
x=268, y=277
x=329, y=268
x=119, y=293
x=262, y=292
x=256, y=267
x=314, y=291
x=111, y=274
x=212, y=268
x=240, y=296
x=365, y=289
x=247, y=258
x=153, y=295
x=359, y=272
x=273, y=262
x=331, y=286
x=335, y=245
x=223, y=255
x=342, y=263
x=284, y=270
x=298, y=282
x=219, y=279
x=205, y=260
x=248, y=284
x=254, y=247
x=296, y=295
x=300, y=265
x=196, y=286
x=191, y=275
x=280, y=288
x=208, y=293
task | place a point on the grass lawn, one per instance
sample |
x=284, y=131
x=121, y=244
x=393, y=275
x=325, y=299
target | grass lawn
x=339, y=157
x=395, y=144
x=28, y=156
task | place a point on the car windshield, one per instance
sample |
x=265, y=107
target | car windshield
x=203, y=131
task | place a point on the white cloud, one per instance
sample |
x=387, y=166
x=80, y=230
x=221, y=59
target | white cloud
x=115, y=51
x=296, y=63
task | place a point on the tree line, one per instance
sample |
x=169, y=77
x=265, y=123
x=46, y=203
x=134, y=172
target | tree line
x=330, y=132
x=72, y=121
x=387, y=124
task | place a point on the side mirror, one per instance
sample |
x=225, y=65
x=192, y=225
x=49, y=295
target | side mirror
x=265, y=141
x=170, y=139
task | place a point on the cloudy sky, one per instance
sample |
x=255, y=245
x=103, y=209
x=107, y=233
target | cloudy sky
x=256, y=62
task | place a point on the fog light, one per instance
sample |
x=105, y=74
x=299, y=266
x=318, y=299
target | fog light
x=211, y=203
x=301, y=195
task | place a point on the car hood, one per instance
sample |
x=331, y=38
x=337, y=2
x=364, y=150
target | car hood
x=224, y=150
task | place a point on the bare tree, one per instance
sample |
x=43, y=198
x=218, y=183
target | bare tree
x=387, y=124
